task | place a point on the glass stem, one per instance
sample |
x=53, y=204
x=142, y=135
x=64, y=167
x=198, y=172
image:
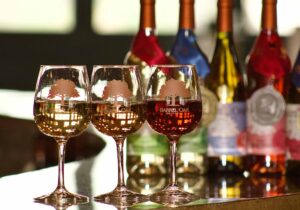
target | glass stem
x=173, y=147
x=119, y=143
x=61, y=162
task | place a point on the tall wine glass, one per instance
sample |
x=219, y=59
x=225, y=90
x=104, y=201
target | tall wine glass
x=174, y=108
x=61, y=110
x=118, y=109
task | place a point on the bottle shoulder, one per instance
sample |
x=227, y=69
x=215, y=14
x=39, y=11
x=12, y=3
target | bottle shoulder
x=268, y=61
x=185, y=42
x=268, y=56
x=144, y=38
x=227, y=78
x=268, y=47
x=186, y=50
x=225, y=56
x=186, y=35
x=146, y=47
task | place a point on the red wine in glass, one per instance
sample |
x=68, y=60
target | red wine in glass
x=174, y=120
x=174, y=108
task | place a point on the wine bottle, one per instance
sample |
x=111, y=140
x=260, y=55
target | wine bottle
x=192, y=148
x=147, y=151
x=293, y=121
x=268, y=68
x=227, y=132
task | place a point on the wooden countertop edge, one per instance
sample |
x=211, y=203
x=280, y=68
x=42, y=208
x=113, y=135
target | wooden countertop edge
x=284, y=202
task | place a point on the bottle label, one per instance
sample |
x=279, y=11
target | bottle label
x=266, y=122
x=226, y=134
x=267, y=106
x=147, y=141
x=209, y=106
x=196, y=141
x=293, y=131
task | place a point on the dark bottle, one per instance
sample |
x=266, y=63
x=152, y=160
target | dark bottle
x=226, y=134
x=147, y=151
x=293, y=121
x=268, y=68
x=192, y=148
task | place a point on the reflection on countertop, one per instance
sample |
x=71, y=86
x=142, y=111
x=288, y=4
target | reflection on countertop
x=97, y=174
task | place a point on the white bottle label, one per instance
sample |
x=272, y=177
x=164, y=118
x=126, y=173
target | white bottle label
x=293, y=131
x=266, y=122
x=266, y=106
x=209, y=106
x=226, y=134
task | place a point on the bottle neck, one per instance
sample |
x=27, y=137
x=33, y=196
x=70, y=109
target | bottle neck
x=147, y=15
x=222, y=36
x=186, y=15
x=269, y=15
x=224, y=21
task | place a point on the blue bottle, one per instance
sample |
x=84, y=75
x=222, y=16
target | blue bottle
x=192, y=147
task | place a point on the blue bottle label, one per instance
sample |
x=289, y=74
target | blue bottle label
x=227, y=133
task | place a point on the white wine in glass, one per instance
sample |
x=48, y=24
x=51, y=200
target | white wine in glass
x=61, y=110
x=118, y=110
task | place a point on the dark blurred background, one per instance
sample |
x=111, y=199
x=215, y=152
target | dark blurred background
x=35, y=32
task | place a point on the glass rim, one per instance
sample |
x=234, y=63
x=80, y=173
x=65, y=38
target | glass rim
x=62, y=66
x=114, y=66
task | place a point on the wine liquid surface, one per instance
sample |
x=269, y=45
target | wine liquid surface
x=173, y=120
x=116, y=119
x=61, y=120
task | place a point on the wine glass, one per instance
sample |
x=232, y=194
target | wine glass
x=174, y=108
x=118, y=109
x=61, y=110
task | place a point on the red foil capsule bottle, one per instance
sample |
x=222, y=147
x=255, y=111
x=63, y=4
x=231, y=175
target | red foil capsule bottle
x=268, y=68
x=147, y=151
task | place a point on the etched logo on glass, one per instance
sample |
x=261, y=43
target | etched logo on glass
x=118, y=93
x=174, y=90
x=63, y=88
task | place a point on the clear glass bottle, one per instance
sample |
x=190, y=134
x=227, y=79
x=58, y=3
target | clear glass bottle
x=147, y=151
x=192, y=148
x=226, y=134
x=268, y=68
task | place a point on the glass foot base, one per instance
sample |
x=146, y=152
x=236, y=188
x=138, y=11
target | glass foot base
x=173, y=196
x=121, y=196
x=61, y=199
